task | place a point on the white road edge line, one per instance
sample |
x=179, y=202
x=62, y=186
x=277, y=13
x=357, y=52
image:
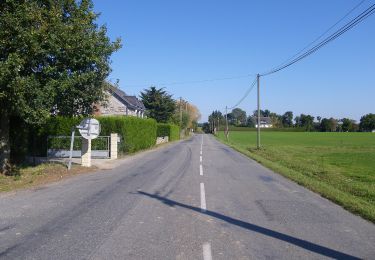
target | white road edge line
x=200, y=170
x=203, y=198
x=207, y=255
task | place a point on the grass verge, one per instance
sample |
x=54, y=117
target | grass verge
x=339, y=169
x=33, y=176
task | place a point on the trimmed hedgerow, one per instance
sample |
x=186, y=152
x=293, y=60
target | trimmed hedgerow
x=136, y=133
x=170, y=130
x=37, y=137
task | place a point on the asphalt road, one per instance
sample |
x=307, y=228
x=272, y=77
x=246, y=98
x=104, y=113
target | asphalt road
x=195, y=199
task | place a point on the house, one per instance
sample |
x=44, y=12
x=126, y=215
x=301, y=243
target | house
x=118, y=103
x=265, y=122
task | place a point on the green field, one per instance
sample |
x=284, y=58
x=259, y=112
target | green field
x=339, y=166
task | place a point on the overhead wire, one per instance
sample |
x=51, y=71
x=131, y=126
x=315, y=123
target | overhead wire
x=245, y=95
x=297, y=57
x=362, y=16
x=324, y=33
x=192, y=82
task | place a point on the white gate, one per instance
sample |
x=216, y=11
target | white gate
x=58, y=147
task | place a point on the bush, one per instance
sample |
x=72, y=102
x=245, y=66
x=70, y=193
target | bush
x=54, y=126
x=136, y=133
x=170, y=130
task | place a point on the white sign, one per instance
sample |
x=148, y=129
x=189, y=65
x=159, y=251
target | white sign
x=89, y=128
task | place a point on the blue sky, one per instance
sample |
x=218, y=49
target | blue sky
x=169, y=41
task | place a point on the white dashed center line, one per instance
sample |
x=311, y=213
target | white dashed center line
x=207, y=255
x=203, y=198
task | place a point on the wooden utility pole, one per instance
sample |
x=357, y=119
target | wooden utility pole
x=180, y=113
x=258, y=132
x=226, y=122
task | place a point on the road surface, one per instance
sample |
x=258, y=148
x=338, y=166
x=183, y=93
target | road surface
x=194, y=199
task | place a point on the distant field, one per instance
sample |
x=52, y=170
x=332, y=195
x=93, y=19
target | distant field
x=340, y=166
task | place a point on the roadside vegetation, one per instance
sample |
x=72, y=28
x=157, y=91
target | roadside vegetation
x=339, y=166
x=54, y=63
x=33, y=176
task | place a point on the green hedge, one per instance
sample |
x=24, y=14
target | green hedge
x=170, y=130
x=136, y=133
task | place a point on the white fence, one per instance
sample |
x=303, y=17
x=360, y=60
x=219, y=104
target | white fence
x=58, y=147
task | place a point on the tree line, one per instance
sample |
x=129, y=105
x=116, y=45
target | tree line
x=238, y=117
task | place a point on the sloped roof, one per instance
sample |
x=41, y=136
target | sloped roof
x=263, y=120
x=130, y=101
x=134, y=101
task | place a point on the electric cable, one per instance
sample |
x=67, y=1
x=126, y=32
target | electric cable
x=362, y=16
x=321, y=35
x=191, y=82
x=245, y=95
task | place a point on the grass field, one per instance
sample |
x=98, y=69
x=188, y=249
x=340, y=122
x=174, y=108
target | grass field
x=339, y=166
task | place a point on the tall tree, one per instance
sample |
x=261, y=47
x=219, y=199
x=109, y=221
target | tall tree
x=216, y=119
x=276, y=120
x=53, y=58
x=239, y=116
x=328, y=125
x=306, y=121
x=367, y=122
x=287, y=119
x=297, y=121
x=348, y=125
x=189, y=112
x=159, y=104
x=250, y=122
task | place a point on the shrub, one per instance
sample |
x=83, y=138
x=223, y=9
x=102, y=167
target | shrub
x=170, y=130
x=136, y=133
x=54, y=126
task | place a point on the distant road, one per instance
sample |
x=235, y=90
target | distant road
x=195, y=199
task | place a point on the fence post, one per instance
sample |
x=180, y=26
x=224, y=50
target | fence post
x=86, y=152
x=113, y=146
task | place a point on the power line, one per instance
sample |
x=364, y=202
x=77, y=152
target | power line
x=245, y=95
x=192, y=82
x=362, y=16
x=324, y=33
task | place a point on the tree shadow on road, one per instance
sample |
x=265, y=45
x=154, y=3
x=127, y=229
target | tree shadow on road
x=325, y=251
